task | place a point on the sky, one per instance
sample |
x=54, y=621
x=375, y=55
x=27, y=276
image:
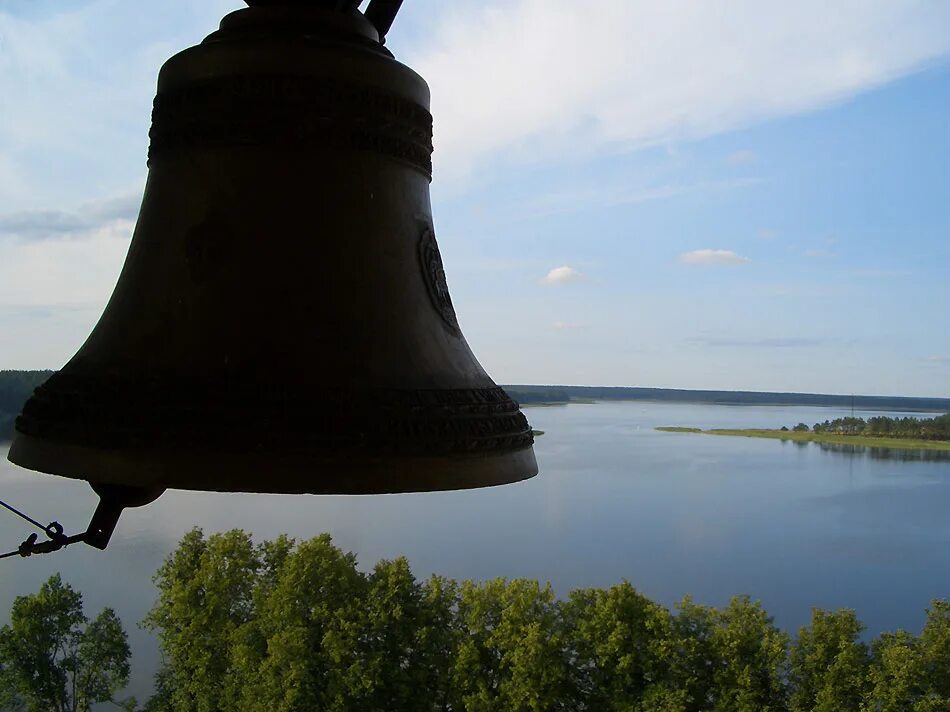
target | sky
x=750, y=195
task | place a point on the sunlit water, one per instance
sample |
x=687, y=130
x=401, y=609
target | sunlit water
x=795, y=526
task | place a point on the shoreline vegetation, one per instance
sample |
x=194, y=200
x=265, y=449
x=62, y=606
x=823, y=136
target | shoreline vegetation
x=857, y=440
x=529, y=396
x=876, y=432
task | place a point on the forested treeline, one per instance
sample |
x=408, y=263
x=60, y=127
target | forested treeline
x=882, y=426
x=15, y=388
x=296, y=626
x=565, y=394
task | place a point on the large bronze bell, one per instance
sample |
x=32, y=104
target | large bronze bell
x=282, y=322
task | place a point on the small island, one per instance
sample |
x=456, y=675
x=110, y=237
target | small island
x=879, y=431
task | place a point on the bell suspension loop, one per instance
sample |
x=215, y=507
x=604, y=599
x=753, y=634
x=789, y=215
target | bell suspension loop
x=380, y=13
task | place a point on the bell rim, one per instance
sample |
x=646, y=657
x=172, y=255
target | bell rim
x=274, y=472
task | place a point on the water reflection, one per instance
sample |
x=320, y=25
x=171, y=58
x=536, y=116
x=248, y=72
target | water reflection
x=883, y=453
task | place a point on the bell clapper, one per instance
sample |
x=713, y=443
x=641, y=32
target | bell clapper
x=112, y=500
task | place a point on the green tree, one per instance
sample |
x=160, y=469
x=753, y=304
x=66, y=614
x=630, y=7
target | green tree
x=53, y=658
x=205, y=597
x=511, y=653
x=440, y=636
x=693, y=659
x=829, y=664
x=751, y=655
x=398, y=646
x=296, y=626
x=913, y=673
x=934, y=658
x=310, y=622
x=621, y=646
x=896, y=678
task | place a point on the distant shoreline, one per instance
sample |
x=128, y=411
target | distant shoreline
x=834, y=438
x=564, y=395
x=16, y=387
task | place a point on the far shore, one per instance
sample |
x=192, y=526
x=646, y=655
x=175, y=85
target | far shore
x=835, y=438
x=559, y=404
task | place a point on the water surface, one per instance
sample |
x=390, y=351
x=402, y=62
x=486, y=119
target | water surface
x=794, y=525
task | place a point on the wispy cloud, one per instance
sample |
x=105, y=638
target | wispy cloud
x=938, y=359
x=769, y=343
x=818, y=253
x=64, y=260
x=713, y=257
x=802, y=290
x=599, y=196
x=569, y=326
x=531, y=80
x=76, y=270
x=743, y=156
x=562, y=275
x=44, y=224
x=879, y=273
x=83, y=88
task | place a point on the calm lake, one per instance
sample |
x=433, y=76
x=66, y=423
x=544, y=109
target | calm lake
x=793, y=525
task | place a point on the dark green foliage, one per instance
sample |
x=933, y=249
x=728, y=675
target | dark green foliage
x=829, y=664
x=15, y=388
x=620, y=645
x=292, y=626
x=909, y=673
x=511, y=651
x=564, y=394
x=53, y=658
x=751, y=653
x=881, y=426
x=800, y=428
x=538, y=394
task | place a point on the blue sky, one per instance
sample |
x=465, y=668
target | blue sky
x=748, y=195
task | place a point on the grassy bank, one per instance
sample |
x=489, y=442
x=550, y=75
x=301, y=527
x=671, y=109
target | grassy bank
x=859, y=440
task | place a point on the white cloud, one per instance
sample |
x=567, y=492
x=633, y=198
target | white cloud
x=818, y=253
x=40, y=224
x=540, y=80
x=73, y=270
x=568, y=326
x=713, y=257
x=562, y=275
x=83, y=74
x=939, y=359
